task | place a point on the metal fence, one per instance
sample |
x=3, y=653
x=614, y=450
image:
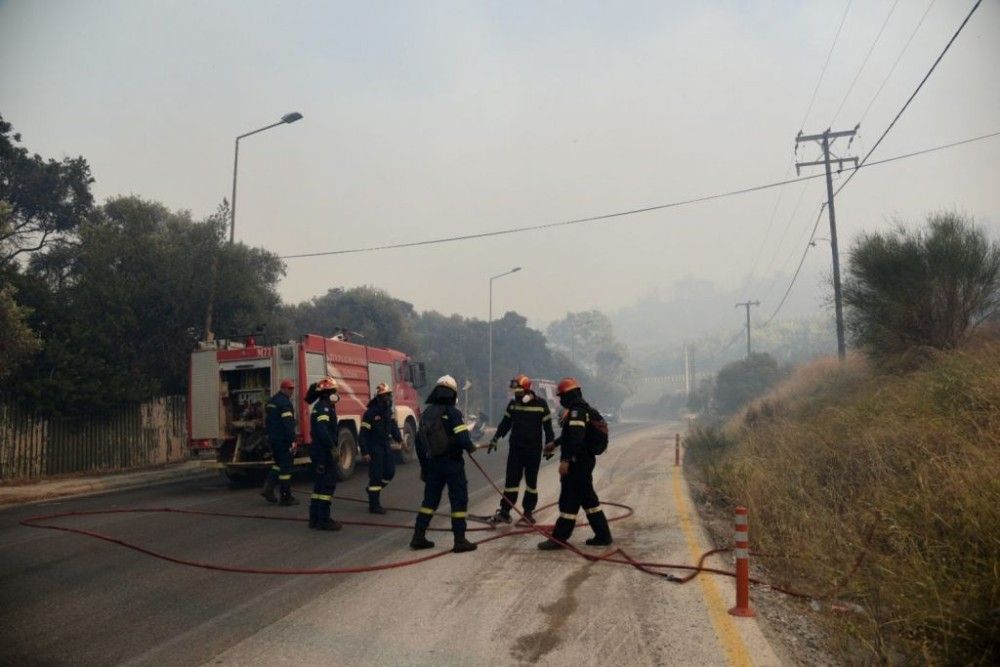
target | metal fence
x=135, y=435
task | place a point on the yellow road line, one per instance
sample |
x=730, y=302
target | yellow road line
x=728, y=635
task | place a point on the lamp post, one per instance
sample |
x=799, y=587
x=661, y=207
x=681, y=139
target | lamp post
x=287, y=118
x=489, y=408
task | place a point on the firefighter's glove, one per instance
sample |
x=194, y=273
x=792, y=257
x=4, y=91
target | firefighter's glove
x=493, y=447
x=366, y=458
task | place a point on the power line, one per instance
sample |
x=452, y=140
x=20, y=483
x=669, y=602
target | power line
x=563, y=223
x=620, y=214
x=870, y=164
x=864, y=162
x=725, y=348
x=784, y=233
x=864, y=62
x=781, y=193
x=912, y=96
x=898, y=58
x=826, y=64
x=819, y=216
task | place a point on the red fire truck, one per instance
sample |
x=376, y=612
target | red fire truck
x=230, y=382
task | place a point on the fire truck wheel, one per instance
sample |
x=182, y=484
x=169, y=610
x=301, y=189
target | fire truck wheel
x=408, y=453
x=240, y=479
x=347, y=459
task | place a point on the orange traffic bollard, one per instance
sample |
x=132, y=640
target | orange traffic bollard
x=741, y=544
x=677, y=449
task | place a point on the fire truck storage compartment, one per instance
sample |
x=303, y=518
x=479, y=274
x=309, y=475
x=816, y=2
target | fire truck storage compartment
x=246, y=386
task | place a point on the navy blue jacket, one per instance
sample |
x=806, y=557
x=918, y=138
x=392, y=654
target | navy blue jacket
x=378, y=426
x=572, y=440
x=527, y=422
x=323, y=423
x=279, y=420
x=456, y=426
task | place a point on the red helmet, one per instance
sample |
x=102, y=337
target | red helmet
x=567, y=385
x=521, y=382
x=326, y=384
x=288, y=383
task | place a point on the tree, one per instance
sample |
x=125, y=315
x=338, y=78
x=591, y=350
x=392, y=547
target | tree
x=740, y=382
x=459, y=346
x=18, y=342
x=921, y=287
x=123, y=303
x=383, y=320
x=590, y=341
x=48, y=199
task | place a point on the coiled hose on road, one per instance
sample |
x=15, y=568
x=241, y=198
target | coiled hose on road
x=617, y=555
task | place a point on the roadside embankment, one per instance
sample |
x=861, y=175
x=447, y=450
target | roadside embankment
x=897, y=475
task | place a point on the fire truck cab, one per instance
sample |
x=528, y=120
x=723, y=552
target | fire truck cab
x=230, y=382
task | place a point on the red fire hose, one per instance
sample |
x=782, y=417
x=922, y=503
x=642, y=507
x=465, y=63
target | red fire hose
x=617, y=555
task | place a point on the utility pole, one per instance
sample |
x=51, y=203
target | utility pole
x=825, y=140
x=747, y=304
x=689, y=376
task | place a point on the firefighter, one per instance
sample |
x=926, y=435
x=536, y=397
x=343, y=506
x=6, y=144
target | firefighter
x=441, y=439
x=279, y=421
x=576, y=471
x=528, y=420
x=377, y=427
x=323, y=423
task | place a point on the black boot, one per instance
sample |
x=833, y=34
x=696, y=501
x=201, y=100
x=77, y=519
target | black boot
x=329, y=524
x=461, y=544
x=500, y=517
x=268, y=491
x=287, y=500
x=562, y=531
x=374, y=506
x=420, y=540
x=528, y=517
x=602, y=532
x=313, y=513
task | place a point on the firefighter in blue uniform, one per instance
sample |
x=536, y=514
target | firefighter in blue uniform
x=576, y=471
x=279, y=421
x=442, y=438
x=527, y=419
x=323, y=428
x=377, y=427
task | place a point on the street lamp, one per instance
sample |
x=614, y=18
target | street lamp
x=287, y=118
x=489, y=408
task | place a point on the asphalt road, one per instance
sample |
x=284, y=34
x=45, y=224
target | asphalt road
x=68, y=599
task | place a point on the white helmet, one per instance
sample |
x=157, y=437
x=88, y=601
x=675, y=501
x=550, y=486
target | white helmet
x=447, y=381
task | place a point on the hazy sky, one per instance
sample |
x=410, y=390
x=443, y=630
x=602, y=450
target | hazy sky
x=426, y=119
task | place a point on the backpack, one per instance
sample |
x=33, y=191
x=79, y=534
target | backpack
x=596, y=436
x=437, y=440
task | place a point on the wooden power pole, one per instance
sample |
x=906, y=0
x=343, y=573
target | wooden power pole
x=747, y=304
x=825, y=140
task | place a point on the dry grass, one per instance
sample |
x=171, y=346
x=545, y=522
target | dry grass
x=838, y=449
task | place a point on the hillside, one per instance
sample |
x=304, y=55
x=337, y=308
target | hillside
x=840, y=460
